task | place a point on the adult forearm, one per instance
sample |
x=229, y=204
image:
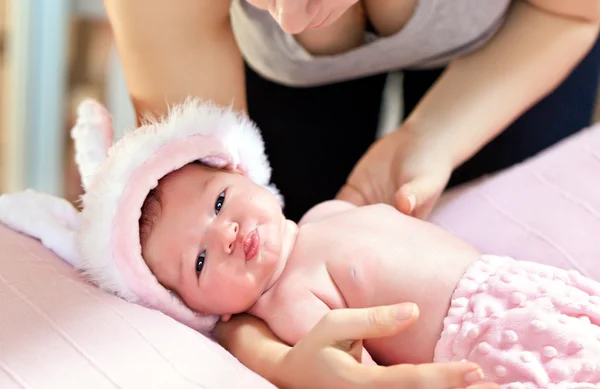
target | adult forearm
x=253, y=344
x=170, y=52
x=480, y=94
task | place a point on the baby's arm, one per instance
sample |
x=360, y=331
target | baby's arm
x=292, y=321
x=324, y=210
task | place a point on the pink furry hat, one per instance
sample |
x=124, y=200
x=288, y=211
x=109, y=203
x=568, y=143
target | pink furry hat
x=117, y=178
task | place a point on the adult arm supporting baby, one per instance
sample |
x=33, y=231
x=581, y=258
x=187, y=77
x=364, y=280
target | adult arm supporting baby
x=482, y=93
x=171, y=52
x=292, y=321
x=326, y=356
x=475, y=99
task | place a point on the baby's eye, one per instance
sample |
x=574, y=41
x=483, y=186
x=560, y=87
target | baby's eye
x=200, y=262
x=219, y=203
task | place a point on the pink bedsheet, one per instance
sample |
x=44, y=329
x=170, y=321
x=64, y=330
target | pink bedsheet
x=545, y=210
x=56, y=331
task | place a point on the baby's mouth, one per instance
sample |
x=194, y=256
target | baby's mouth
x=251, y=245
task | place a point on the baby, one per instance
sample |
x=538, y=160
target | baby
x=222, y=244
x=180, y=216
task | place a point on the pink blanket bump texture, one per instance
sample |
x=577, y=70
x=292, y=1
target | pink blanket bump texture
x=58, y=332
x=528, y=326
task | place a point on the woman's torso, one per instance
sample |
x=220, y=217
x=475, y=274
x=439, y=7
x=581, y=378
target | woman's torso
x=437, y=31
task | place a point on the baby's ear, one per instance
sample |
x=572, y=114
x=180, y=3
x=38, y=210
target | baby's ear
x=225, y=318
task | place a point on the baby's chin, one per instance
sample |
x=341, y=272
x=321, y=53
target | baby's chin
x=241, y=308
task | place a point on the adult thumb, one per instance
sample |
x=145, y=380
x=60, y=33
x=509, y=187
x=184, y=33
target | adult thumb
x=363, y=323
x=417, y=197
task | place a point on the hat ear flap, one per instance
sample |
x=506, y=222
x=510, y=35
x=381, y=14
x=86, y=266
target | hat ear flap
x=93, y=136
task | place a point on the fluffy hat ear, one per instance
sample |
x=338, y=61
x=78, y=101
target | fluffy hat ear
x=93, y=136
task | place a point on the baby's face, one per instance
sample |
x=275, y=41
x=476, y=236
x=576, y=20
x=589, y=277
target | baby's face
x=220, y=240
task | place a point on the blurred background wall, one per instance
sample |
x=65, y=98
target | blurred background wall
x=54, y=53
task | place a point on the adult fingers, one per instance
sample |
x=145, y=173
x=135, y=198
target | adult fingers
x=295, y=16
x=262, y=4
x=352, y=195
x=485, y=385
x=343, y=325
x=427, y=376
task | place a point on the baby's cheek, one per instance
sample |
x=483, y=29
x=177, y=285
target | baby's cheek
x=191, y=297
x=237, y=294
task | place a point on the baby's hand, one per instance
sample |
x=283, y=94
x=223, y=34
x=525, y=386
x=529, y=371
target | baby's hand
x=400, y=170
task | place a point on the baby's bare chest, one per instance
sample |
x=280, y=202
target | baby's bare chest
x=356, y=262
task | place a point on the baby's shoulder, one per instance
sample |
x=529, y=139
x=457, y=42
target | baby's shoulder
x=328, y=209
x=325, y=210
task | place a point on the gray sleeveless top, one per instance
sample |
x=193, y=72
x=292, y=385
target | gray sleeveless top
x=438, y=31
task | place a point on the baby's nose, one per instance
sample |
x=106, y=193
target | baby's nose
x=229, y=234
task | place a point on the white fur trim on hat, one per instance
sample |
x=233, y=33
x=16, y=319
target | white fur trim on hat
x=118, y=180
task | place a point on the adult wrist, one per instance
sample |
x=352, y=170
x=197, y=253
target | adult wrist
x=249, y=340
x=432, y=143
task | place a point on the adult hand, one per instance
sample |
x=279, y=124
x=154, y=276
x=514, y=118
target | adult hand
x=295, y=16
x=329, y=356
x=401, y=169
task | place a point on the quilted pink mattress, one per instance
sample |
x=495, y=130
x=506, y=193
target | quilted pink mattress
x=56, y=331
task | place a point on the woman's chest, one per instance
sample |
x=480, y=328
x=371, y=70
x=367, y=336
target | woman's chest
x=429, y=35
x=389, y=16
